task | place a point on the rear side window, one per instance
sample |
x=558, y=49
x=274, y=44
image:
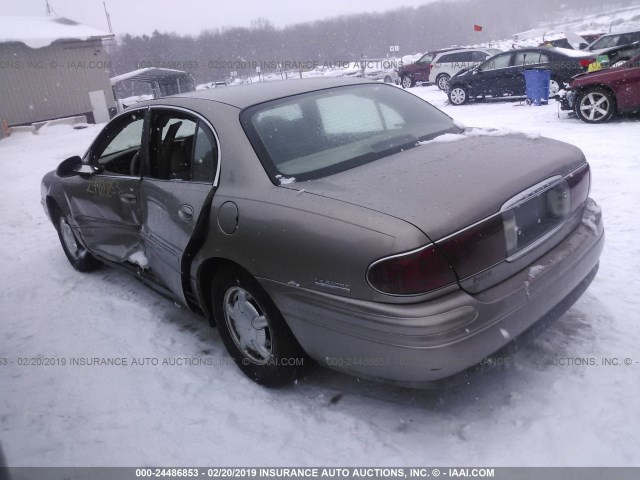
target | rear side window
x=205, y=155
x=478, y=56
x=339, y=128
x=181, y=147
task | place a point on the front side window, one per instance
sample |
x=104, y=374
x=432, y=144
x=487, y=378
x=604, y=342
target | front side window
x=446, y=59
x=426, y=58
x=499, y=61
x=605, y=42
x=316, y=134
x=117, y=149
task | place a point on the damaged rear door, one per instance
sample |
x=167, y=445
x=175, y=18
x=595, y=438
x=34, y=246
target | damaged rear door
x=105, y=205
x=176, y=192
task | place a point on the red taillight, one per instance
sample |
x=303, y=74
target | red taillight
x=503, y=236
x=476, y=248
x=412, y=273
x=587, y=62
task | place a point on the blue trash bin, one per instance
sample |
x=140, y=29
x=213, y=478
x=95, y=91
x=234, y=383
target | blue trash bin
x=537, y=83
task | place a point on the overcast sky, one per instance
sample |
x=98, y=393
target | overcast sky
x=193, y=16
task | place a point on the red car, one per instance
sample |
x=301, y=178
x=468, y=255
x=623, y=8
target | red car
x=596, y=97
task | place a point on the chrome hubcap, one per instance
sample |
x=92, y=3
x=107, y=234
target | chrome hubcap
x=458, y=96
x=443, y=83
x=248, y=325
x=406, y=82
x=68, y=238
x=594, y=106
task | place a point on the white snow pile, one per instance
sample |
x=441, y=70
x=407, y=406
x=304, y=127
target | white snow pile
x=472, y=132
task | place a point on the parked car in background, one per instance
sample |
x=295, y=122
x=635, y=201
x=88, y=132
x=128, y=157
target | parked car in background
x=598, y=96
x=615, y=56
x=293, y=238
x=380, y=69
x=564, y=42
x=616, y=39
x=447, y=64
x=503, y=74
x=418, y=72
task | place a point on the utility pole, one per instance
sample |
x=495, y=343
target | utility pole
x=108, y=16
x=50, y=10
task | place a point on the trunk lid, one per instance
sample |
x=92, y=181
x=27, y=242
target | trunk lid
x=443, y=186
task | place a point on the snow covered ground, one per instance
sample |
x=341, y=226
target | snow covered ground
x=533, y=413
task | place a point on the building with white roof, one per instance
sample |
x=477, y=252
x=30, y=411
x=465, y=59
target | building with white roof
x=53, y=67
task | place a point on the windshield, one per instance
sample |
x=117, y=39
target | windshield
x=320, y=133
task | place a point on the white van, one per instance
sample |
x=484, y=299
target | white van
x=446, y=64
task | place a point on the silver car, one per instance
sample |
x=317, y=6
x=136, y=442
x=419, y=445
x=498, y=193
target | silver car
x=323, y=218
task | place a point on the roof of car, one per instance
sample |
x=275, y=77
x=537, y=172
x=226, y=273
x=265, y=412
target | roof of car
x=242, y=96
x=621, y=32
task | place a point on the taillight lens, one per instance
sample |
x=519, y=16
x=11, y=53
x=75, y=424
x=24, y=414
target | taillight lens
x=476, y=248
x=411, y=273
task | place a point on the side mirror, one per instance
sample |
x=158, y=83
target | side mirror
x=85, y=170
x=68, y=166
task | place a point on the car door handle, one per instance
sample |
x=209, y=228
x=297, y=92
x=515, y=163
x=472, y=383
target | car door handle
x=128, y=198
x=185, y=212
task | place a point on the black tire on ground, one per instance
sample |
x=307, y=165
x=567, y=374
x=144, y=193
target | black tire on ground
x=407, y=81
x=458, y=95
x=253, y=329
x=595, y=105
x=442, y=81
x=79, y=257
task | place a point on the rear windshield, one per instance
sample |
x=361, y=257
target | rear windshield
x=320, y=133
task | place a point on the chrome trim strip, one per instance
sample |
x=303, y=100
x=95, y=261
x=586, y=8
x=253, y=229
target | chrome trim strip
x=532, y=191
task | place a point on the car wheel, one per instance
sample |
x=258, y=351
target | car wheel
x=458, y=95
x=554, y=87
x=78, y=256
x=443, y=81
x=407, y=81
x=254, y=331
x=595, y=105
x=388, y=79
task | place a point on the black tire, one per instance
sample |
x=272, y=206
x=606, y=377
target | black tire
x=595, y=105
x=269, y=355
x=458, y=95
x=555, y=84
x=442, y=81
x=388, y=79
x=79, y=257
x=407, y=81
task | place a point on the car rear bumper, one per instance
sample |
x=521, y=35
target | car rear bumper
x=418, y=344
